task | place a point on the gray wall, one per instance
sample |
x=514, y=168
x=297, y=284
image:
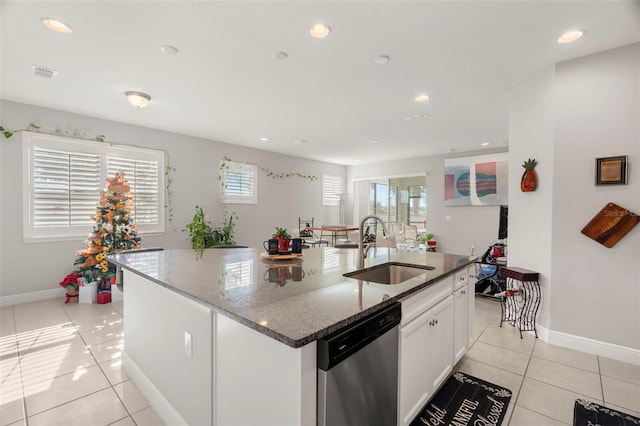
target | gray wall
x=566, y=118
x=34, y=267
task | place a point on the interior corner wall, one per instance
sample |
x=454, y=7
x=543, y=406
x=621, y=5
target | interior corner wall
x=565, y=117
x=596, y=290
x=38, y=267
x=530, y=213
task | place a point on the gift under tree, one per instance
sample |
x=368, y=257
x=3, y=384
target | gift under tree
x=113, y=231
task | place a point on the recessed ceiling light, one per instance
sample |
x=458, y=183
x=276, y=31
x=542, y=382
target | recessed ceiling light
x=381, y=60
x=417, y=116
x=280, y=56
x=421, y=98
x=168, y=49
x=570, y=36
x=319, y=30
x=55, y=25
x=138, y=99
x=375, y=141
x=485, y=144
x=264, y=139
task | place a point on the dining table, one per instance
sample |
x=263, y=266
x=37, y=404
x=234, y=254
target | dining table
x=334, y=230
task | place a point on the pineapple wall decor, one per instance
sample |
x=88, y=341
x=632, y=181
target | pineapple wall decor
x=529, y=181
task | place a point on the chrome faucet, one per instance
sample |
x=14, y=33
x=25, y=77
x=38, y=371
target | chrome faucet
x=362, y=250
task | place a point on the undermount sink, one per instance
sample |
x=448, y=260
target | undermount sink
x=389, y=273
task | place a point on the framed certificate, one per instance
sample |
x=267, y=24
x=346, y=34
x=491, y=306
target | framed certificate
x=611, y=170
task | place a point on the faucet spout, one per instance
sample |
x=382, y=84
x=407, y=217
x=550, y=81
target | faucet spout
x=362, y=249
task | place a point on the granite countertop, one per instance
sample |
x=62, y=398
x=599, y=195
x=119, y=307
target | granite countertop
x=294, y=301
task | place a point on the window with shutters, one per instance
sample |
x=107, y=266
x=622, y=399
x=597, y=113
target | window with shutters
x=332, y=190
x=239, y=183
x=63, y=180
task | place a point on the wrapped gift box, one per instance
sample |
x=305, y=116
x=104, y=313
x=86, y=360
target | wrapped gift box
x=104, y=297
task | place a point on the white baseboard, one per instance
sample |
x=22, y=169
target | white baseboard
x=34, y=296
x=159, y=403
x=596, y=347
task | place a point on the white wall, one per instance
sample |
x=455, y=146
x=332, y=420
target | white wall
x=530, y=213
x=470, y=225
x=37, y=267
x=584, y=109
x=597, y=102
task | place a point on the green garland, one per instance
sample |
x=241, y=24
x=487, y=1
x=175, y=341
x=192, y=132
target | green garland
x=269, y=173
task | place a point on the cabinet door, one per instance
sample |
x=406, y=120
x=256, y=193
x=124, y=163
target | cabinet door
x=471, y=296
x=440, y=343
x=460, y=323
x=414, y=378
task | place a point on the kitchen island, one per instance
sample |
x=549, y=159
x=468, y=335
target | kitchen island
x=226, y=336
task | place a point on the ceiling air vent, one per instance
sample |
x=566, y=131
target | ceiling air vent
x=43, y=72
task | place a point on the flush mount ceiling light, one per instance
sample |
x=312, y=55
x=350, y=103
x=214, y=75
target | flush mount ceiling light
x=55, y=25
x=421, y=98
x=138, y=99
x=485, y=144
x=319, y=30
x=570, y=36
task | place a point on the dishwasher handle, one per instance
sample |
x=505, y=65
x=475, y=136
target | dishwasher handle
x=336, y=347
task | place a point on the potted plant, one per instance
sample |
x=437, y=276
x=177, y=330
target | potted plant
x=429, y=241
x=200, y=230
x=283, y=237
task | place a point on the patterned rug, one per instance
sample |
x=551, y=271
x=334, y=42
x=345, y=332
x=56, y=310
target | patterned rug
x=465, y=400
x=587, y=413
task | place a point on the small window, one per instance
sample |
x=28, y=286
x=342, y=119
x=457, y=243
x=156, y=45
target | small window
x=239, y=183
x=64, y=178
x=332, y=190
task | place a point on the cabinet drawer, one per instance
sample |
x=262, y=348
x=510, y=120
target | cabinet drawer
x=460, y=278
x=418, y=303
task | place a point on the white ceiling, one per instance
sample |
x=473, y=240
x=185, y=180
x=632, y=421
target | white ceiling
x=225, y=85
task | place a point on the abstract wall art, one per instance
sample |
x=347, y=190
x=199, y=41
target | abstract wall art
x=481, y=180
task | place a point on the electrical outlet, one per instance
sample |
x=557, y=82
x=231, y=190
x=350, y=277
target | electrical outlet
x=188, y=348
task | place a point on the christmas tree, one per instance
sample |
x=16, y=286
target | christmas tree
x=113, y=231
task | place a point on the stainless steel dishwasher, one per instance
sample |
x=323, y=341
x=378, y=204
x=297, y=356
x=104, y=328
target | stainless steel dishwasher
x=358, y=372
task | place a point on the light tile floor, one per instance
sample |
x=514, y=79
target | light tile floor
x=60, y=365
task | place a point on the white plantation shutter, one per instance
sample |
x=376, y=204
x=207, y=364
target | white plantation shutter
x=239, y=183
x=331, y=189
x=143, y=178
x=66, y=186
x=64, y=178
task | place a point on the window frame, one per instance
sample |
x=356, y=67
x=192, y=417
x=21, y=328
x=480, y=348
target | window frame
x=330, y=198
x=32, y=140
x=233, y=166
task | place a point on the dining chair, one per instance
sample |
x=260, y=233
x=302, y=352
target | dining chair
x=411, y=233
x=308, y=234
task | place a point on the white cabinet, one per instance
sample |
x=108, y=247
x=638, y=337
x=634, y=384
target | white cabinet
x=460, y=323
x=425, y=355
x=463, y=311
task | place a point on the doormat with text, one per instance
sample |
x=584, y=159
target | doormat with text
x=465, y=400
x=587, y=413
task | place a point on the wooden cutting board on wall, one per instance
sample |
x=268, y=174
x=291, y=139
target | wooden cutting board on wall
x=610, y=224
